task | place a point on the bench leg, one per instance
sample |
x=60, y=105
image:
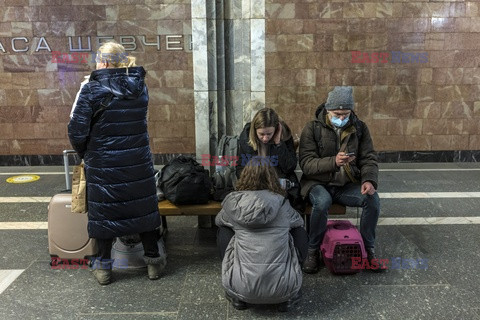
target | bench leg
x=164, y=228
x=358, y=217
x=206, y=221
x=306, y=219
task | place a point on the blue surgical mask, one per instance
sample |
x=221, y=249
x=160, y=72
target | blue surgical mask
x=337, y=122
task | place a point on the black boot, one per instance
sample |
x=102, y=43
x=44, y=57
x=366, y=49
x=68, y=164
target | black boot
x=236, y=303
x=313, y=261
x=373, y=261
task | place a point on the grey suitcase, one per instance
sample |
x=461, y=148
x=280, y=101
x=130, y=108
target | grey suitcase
x=67, y=231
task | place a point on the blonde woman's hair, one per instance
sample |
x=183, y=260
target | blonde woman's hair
x=259, y=175
x=264, y=118
x=115, y=54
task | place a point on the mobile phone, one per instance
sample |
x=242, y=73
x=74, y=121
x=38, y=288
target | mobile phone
x=350, y=154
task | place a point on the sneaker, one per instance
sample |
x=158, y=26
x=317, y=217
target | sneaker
x=312, y=262
x=103, y=276
x=372, y=256
x=236, y=303
x=288, y=305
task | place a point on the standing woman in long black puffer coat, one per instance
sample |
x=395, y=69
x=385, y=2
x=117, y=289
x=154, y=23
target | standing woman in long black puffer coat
x=114, y=145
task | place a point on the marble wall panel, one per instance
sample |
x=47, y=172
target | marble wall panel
x=470, y=126
x=421, y=142
x=257, y=52
x=428, y=105
x=476, y=109
x=3, y=97
x=53, y=145
x=163, y=11
x=5, y=146
x=307, y=47
x=36, y=94
x=6, y=131
x=30, y=144
x=474, y=142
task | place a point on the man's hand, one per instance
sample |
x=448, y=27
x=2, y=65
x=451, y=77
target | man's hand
x=278, y=134
x=342, y=159
x=367, y=188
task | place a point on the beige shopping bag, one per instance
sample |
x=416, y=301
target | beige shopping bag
x=79, y=189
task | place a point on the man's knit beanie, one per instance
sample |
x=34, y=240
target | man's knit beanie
x=340, y=98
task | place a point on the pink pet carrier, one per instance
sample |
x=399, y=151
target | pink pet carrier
x=341, y=243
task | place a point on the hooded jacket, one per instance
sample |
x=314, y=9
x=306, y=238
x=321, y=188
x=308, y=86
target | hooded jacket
x=260, y=264
x=319, y=146
x=121, y=190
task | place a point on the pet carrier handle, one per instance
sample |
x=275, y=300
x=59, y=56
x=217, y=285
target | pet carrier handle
x=68, y=183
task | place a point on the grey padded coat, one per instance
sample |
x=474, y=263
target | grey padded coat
x=260, y=264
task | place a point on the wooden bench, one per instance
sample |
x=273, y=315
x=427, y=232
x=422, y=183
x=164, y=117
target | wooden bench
x=210, y=209
x=166, y=208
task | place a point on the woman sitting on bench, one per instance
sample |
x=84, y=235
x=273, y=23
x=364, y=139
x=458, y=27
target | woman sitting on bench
x=259, y=237
x=270, y=137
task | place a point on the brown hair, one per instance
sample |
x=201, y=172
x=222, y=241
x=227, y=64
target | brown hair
x=264, y=118
x=258, y=175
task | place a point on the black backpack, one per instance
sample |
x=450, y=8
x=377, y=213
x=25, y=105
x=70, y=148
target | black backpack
x=184, y=181
x=224, y=177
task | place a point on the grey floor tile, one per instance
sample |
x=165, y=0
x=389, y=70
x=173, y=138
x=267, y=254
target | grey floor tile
x=16, y=212
x=464, y=207
x=195, y=311
x=199, y=289
x=42, y=293
x=191, y=288
x=381, y=302
x=20, y=248
x=392, y=245
x=133, y=292
x=428, y=165
x=455, y=253
x=46, y=186
x=431, y=181
x=128, y=316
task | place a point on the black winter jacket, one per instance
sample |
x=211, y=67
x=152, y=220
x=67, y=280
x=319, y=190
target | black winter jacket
x=121, y=190
x=285, y=151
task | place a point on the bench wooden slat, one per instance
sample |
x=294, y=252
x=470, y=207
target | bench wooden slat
x=211, y=208
x=166, y=208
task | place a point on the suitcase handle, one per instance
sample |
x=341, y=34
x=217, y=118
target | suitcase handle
x=68, y=183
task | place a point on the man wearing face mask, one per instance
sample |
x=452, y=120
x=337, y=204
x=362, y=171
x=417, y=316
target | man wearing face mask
x=339, y=165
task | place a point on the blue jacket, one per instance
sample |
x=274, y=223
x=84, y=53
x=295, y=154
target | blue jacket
x=121, y=190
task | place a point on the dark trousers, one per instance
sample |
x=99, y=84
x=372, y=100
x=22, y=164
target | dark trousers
x=299, y=235
x=350, y=195
x=149, y=242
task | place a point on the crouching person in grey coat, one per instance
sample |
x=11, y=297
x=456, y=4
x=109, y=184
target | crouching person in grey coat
x=261, y=241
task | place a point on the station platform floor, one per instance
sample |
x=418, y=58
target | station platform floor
x=429, y=212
